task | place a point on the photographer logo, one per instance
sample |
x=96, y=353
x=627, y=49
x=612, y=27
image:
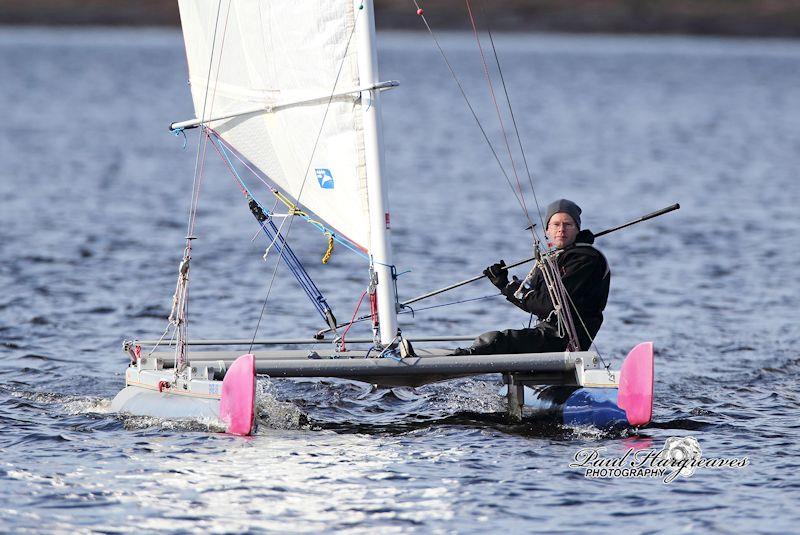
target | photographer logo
x=680, y=457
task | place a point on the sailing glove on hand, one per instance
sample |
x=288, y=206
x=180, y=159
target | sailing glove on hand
x=497, y=274
x=585, y=236
x=510, y=289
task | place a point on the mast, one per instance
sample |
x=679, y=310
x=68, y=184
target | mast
x=378, y=199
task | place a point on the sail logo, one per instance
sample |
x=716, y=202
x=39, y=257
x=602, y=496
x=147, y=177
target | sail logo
x=325, y=178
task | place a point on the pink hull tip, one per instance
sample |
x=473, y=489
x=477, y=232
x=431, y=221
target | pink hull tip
x=237, y=405
x=636, y=385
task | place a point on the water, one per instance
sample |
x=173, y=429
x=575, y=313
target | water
x=94, y=200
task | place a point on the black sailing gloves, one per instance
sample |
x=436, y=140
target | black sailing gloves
x=497, y=274
x=585, y=236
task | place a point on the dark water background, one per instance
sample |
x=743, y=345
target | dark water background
x=94, y=194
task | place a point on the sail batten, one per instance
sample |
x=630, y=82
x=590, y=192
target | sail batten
x=284, y=57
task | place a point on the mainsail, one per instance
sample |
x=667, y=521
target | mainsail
x=284, y=57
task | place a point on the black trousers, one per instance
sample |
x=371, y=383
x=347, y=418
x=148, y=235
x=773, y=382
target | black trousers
x=540, y=339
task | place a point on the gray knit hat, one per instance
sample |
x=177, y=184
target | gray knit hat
x=566, y=206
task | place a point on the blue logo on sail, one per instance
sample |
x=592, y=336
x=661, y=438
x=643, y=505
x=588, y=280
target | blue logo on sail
x=325, y=178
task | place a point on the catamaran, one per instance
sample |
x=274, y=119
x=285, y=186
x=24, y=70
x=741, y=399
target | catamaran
x=288, y=95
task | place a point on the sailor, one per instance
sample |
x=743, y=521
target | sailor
x=586, y=277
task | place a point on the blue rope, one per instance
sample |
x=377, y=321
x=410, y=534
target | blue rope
x=294, y=265
x=178, y=131
x=286, y=253
x=390, y=354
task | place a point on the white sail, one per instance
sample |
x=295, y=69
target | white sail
x=248, y=54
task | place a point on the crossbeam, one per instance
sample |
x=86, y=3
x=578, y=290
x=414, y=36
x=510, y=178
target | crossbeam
x=433, y=365
x=444, y=365
x=293, y=341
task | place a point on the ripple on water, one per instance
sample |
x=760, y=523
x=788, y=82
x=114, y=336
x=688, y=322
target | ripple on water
x=92, y=232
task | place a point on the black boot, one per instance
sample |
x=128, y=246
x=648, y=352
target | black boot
x=462, y=351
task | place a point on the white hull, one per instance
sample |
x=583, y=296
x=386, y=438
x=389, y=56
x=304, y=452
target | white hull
x=151, y=390
x=141, y=397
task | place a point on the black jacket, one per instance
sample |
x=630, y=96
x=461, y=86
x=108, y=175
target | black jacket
x=586, y=277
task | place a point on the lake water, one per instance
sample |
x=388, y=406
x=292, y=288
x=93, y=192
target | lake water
x=95, y=192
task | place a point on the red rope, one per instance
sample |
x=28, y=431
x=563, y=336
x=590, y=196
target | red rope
x=352, y=320
x=373, y=308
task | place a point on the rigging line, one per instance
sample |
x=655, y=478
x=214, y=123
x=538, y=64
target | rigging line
x=569, y=323
x=557, y=292
x=286, y=253
x=158, y=343
x=200, y=156
x=294, y=210
x=552, y=279
x=497, y=108
x=202, y=159
x=220, y=146
x=305, y=178
x=511, y=112
x=352, y=320
x=213, y=93
x=264, y=305
x=412, y=311
x=586, y=329
x=466, y=100
x=288, y=256
x=181, y=292
x=452, y=303
x=278, y=198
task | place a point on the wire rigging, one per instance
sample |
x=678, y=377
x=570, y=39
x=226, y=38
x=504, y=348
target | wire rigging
x=546, y=261
x=267, y=225
x=179, y=315
x=499, y=114
x=410, y=310
x=511, y=113
x=468, y=103
x=227, y=153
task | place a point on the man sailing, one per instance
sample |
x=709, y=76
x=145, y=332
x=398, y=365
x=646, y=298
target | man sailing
x=586, y=278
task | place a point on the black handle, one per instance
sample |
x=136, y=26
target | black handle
x=643, y=218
